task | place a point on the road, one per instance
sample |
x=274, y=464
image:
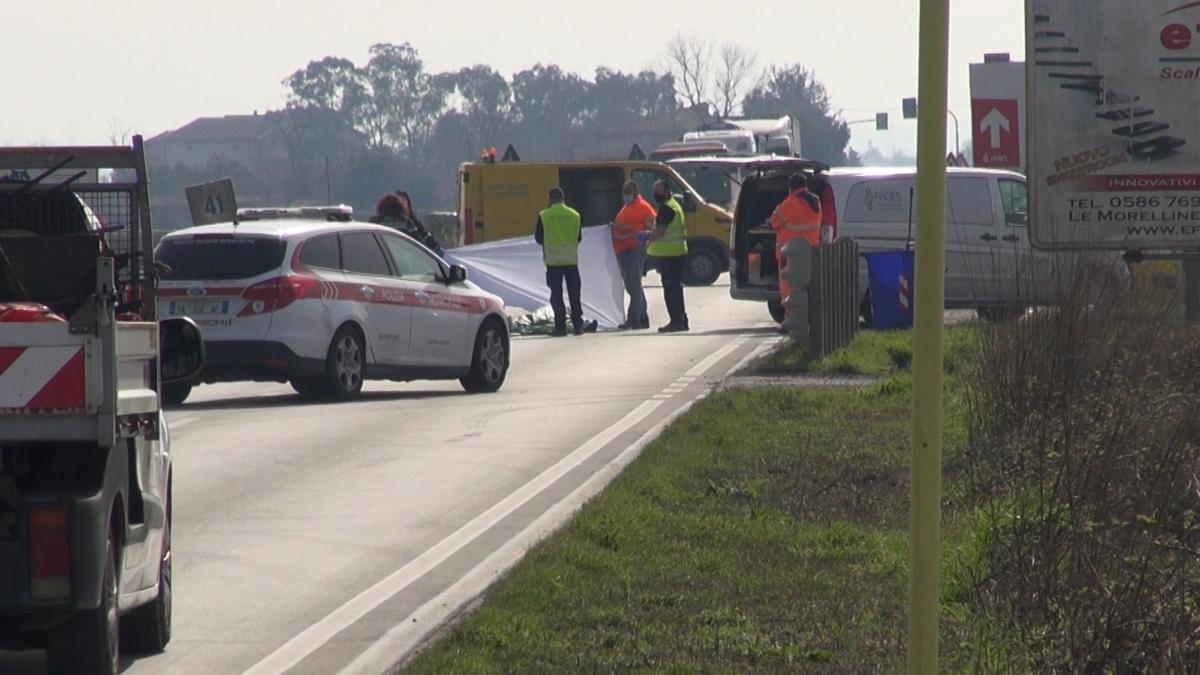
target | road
x=305, y=532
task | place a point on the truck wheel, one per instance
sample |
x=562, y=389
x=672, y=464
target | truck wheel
x=489, y=363
x=90, y=641
x=147, y=629
x=775, y=307
x=702, y=267
x=175, y=393
x=345, y=365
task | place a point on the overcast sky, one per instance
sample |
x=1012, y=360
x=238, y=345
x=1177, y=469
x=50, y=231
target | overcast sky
x=75, y=69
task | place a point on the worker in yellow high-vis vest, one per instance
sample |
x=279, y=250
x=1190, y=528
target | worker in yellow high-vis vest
x=559, y=231
x=668, y=245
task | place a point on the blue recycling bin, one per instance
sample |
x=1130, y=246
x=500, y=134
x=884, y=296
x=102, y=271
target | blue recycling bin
x=892, y=289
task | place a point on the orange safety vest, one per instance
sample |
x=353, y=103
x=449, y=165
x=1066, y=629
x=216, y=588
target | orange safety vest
x=797, y=217
x=631, y=220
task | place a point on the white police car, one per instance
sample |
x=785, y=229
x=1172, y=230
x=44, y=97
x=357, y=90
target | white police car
x=310, y=297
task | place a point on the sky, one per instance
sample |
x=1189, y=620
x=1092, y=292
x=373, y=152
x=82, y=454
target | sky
x=76, y=71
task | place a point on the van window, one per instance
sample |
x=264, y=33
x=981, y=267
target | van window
x=970, y=201
x=594, y=193
x=361, y=255
x=879, y=201
x=646, y=178
x=322, y=252
x=1016, y=202
x=711, y=181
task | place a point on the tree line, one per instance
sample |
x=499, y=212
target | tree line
x=354, y=131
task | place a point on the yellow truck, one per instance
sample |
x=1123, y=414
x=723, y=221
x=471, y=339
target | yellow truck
x=501, y=200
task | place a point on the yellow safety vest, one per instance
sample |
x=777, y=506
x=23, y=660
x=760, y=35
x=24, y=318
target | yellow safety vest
x=674, y=243
x=560, y=235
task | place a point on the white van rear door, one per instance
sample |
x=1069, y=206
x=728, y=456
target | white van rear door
x=980, y=265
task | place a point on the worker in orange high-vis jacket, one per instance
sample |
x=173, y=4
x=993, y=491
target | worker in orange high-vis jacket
x=798, y=215
x=630, y=231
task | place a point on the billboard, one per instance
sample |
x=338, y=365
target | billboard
x=1113, y=143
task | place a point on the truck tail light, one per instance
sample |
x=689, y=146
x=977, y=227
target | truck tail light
x=274, y=294
x=469, y=226
x=49, y=553
x=829, y=210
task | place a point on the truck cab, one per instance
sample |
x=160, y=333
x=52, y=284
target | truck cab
x=85, y=463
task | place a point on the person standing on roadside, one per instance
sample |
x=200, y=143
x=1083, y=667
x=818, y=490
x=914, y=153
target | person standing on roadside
x=797, y=216
x=668, y=244
x=630, y=228
x=559, y=231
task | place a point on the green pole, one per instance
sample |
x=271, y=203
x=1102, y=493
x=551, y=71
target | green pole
x=928, y=333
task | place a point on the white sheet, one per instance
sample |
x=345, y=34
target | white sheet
x=513, y=270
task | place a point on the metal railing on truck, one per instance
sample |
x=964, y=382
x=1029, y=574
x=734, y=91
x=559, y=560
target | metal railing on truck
x=88, y=369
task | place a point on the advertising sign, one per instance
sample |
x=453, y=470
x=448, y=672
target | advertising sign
x=997, y=134
x=1114, y=134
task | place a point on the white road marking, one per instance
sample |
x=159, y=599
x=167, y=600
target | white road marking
x=662, y=397
x=762, y=349
x=700, y=368
x=315, y=636
x=172, y=425
x=408, y=633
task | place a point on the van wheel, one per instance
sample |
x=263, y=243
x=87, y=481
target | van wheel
x=175, y=393
x=345, y=364
x=702, y=267
x=489, y=362
x=775, y=307
x=864, y=311
x=89, y=642
x=148, y=628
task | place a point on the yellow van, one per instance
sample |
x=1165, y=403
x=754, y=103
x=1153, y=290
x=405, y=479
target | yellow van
x=501, y=200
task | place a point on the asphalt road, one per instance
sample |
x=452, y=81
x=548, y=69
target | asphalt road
x=305, y=534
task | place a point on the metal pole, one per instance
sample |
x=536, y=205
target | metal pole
x=957, y=147
x=1191, y=288
x=928, y=334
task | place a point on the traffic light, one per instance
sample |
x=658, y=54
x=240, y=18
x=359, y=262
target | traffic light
x=881, y=121
x=796, y=276
x=910, y=108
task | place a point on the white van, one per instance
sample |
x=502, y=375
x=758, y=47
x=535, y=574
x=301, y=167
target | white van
x=989, y=263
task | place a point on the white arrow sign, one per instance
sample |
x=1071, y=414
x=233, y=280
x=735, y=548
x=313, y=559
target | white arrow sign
x=995, y=121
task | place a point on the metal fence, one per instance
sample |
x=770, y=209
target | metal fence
x=823, y=305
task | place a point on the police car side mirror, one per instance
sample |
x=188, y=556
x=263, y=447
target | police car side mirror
x=457, y=274
x=181, y=350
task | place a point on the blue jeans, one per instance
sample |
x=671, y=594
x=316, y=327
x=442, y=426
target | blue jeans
x=632, y=263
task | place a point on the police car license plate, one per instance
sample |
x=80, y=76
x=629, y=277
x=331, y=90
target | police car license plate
x=199, y=307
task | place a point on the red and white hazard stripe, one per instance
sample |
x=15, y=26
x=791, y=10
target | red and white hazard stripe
x=42, y=380
x=905, y=294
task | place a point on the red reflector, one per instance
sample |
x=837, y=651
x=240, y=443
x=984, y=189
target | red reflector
x=829, y=214
x=276, y=362
x=49, y=553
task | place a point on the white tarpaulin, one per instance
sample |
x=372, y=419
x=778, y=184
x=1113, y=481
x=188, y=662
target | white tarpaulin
x=513, y=269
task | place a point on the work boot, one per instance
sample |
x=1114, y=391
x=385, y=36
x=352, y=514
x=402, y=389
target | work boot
x=578, y=328
x=628, y=325
x=559, y=331
x=644, y=324
x=671, y=328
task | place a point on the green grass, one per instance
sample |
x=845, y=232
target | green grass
x=765, y=530
x=871, y=353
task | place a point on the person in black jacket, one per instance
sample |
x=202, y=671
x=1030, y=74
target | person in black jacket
x=395, y=211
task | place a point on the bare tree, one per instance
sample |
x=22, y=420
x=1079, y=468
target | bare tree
x=689, y=60
x=119, y=131
x=734, y=75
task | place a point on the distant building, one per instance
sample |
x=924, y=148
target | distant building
x=253, y=141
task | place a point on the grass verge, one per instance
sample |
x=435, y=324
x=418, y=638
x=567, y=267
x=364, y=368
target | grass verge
x=765, y=530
